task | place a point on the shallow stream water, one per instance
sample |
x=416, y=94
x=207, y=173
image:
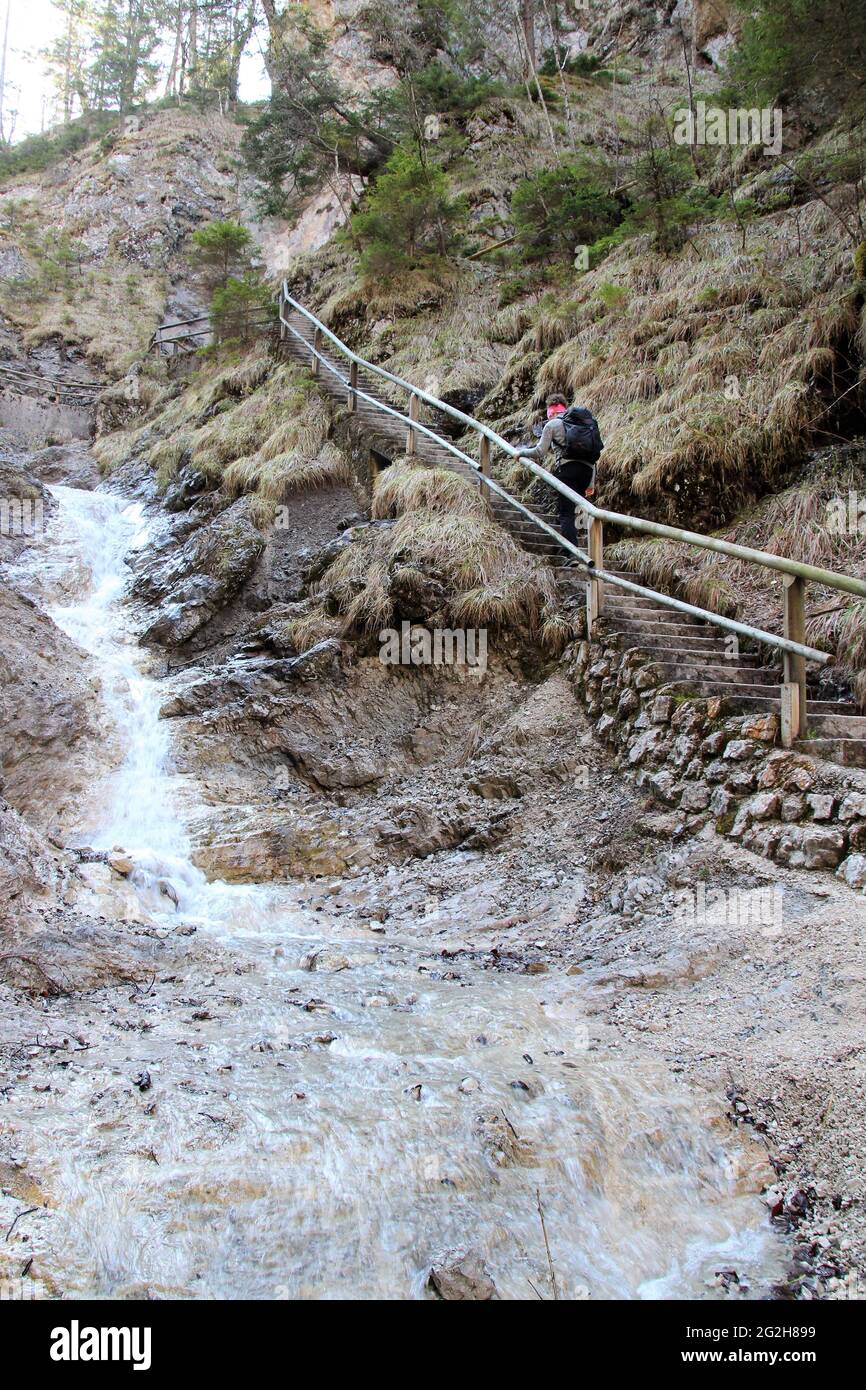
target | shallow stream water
x=332, y=1133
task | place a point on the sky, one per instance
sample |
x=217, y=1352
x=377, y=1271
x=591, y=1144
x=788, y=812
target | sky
x=33, y=24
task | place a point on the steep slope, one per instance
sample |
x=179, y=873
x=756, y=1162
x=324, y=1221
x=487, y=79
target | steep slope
x=94, y=247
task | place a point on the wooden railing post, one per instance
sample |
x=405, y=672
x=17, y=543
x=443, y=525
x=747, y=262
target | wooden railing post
x=484, y=460
x=413, y=415
x=794, y=720
x=317, y=343
x=353, y=386
x=595, y=588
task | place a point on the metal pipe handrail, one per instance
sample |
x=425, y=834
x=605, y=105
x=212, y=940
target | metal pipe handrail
x=781, y=563
x=784, y=644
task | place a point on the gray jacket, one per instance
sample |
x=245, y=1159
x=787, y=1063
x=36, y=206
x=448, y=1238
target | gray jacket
x=552, y=434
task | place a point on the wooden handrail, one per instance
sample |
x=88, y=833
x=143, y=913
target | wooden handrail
x=796, y=573
x=781, y=563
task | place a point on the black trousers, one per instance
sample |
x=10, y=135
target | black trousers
x=578, y=477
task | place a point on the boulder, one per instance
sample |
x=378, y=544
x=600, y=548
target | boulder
x=646, y=744
x=853, y=807
x=853, y=871
x=462, y=1276
x=823, y=849
x=821, y=805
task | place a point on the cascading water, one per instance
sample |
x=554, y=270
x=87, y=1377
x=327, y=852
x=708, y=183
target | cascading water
x=332, y=1133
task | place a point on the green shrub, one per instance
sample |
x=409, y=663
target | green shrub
x=408, y=215
x=219, y=250
x=239, y=307
x=563, y=207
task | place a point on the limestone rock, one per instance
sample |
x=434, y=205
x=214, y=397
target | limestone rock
x=853, y=807
x=853, y=871
x=189, y=584
x=49, y=712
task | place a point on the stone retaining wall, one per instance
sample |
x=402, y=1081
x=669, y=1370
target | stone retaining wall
x=704, y=762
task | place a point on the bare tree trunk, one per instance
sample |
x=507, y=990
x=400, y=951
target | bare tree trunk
x=3, y=74
x=192, y=48
x=241, y=32
x=171, y=80
x=529, y=31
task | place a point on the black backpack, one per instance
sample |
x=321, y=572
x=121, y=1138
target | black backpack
x=583, y=442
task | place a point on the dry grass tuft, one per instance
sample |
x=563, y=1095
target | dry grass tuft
x=714, y=375
x=411, y=487
x=248, y=421
x=442, y=553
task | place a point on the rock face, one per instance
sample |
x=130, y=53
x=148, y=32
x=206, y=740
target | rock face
x=73, y=465
x=25, y=507
x=189, y=585
x=28, y=868
x=718, y=766
x=49, y=712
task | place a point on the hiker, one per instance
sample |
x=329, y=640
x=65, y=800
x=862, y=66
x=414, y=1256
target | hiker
x=574, y=435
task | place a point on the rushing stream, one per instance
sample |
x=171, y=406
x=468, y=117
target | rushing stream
x=331, y=1133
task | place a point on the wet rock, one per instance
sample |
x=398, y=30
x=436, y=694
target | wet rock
x=462, y=1277
x=324, y=959
x=168, y=890
x=189, y=584
x=73, y=465
x=499, y=1140
x=185, y=489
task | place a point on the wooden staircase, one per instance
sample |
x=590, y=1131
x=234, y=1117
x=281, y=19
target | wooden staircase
x=691, y=655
